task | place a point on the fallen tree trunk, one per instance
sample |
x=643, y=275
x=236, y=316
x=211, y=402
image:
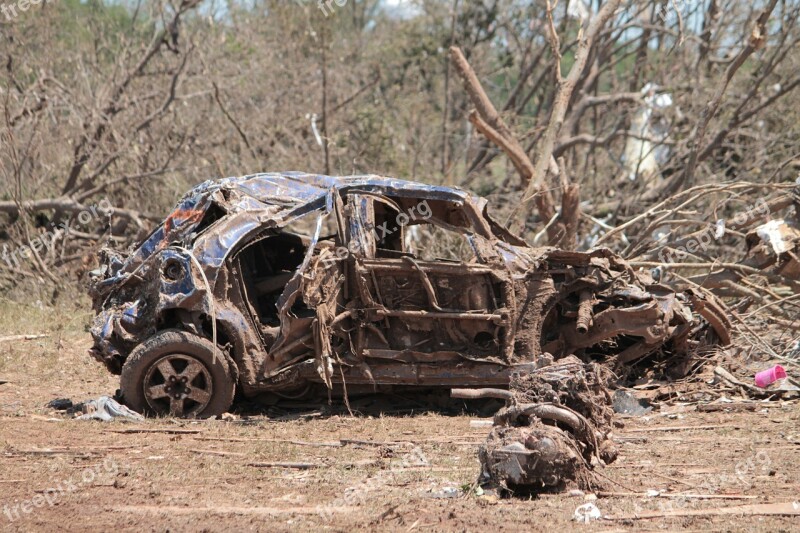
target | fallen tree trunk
x=67, y=205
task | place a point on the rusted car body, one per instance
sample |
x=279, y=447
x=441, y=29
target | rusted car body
x=323, y=279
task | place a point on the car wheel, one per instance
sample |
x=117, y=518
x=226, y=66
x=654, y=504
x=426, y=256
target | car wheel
x=176, y=373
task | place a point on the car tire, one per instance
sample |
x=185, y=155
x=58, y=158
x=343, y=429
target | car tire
x=175, y=373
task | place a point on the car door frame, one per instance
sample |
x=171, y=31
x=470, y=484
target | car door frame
x=363, y=272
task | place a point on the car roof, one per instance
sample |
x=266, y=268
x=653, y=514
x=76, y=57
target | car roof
x=298, y=188
x=251, y=200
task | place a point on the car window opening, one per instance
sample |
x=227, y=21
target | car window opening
x=430, y=230
x=267, y=266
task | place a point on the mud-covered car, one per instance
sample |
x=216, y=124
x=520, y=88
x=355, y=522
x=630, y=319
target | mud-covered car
x=276, y=282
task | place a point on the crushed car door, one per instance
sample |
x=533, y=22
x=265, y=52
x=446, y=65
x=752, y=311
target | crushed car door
x=292, y=289
x=417, y=305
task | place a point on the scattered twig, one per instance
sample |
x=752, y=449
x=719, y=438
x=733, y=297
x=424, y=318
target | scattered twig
x=11, y=338
x=715, y=407
x=780, y=509
x=651, y=464
x=730, y=378
x=47, y=451
x=217, y=452
x=682, y=428
x=672, y=479
x=332, y=444
x=391, y=510
x=158, y=430
x=680, y=495
x=298, y=466
x=370, y=442
x=229, y=510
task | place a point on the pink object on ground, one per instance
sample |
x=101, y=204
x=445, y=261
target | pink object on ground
x=766, y=377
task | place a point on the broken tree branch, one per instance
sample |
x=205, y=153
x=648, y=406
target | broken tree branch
x=508, y=144
x=565, y=88
x=757, y=39
x=488, y=119
x=67, y=205
x=489, y=122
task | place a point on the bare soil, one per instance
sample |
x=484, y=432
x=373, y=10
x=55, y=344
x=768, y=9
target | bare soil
x=409, y=472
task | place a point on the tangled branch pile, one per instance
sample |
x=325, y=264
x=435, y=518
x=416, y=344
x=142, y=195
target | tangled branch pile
x=639, y=125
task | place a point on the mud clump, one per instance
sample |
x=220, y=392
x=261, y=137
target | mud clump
x=554, y=431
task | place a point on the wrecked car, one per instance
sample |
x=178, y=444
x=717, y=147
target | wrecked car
x=273, y=283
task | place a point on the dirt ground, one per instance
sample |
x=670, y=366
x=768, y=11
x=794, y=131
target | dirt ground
x=395, y=472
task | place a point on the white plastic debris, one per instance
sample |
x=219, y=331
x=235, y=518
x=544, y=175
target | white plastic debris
x=446, y=493
x=586, y=513
x=644, y=148
x=317, y=136
x=659, y=100
x=107, y=409
x=450, y=492
x=719, y=229
x=774, y=234
x=579, y=10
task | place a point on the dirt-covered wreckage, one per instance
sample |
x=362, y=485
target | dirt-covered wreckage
x=318, y=279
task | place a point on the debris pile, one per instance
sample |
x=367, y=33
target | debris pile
x=773, y=248
x=556, y=428
x=107, y=409
x=103, y=408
